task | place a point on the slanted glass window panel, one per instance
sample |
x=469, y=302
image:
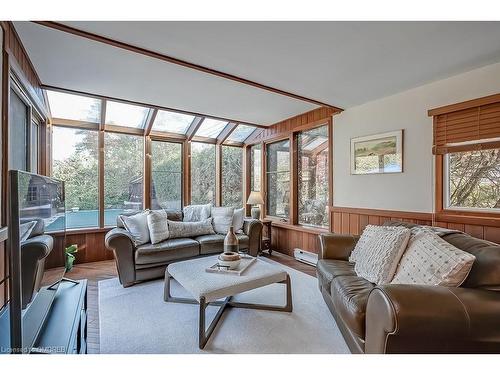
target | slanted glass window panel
x=211, y=128
x=278, y=179
x=255, y=167
x=313, y=177
x=202, y=173
x=166, y=174
x=241, y=133
x=128, y=115
x=74, y=160
x=74, y=107
x=472, y=180
x=232, y=176
x=123, y=166
x=172, y=122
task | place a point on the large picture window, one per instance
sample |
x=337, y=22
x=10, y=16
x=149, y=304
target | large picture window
x=255, y=167
x=75, y=161
x=166, y=174
x=472, y=180
x=202, y=173
x=123, y=167
x=278, y=179
x=232, y=176
x=312, y=146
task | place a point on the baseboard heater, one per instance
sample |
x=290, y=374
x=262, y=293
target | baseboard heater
x=305, y=257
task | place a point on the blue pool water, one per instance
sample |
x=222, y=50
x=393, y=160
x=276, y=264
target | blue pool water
x=84, y=219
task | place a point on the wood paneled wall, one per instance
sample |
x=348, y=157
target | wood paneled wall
x=286, y=238
x=14, y=60
x=304, y=120
x=346, y=220
x=18, y=59
x=90, y=243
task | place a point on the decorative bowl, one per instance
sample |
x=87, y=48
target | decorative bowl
x=229, y=259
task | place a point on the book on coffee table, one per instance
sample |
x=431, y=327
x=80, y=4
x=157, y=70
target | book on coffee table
x=245, y=262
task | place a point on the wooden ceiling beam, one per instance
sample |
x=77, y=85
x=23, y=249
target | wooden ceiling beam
x=142, y=104
x=226, y=132
x=143, y=51
x=193, y=128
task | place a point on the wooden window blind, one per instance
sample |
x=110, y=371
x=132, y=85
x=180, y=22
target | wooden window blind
x=467, y=128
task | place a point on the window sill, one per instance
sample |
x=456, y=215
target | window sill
x=299, y=228
x=489, y=219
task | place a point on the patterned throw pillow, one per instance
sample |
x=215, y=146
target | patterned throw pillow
x=137, y=225
x=222, y=219
x=182, y=229
x=158, y=226
x=196, y=212
x=430, y=260
x=378, y=254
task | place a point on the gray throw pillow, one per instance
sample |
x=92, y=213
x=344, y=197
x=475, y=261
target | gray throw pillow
x=137, y=226
x=196, y=212
x=158, y=226
x=222, y=219
x=25, y=230
x=238, y=216
x=182, y=229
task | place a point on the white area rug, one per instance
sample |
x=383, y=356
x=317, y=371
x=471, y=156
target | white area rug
x=137, y=320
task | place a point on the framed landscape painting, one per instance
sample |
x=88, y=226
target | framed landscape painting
x=380, y=153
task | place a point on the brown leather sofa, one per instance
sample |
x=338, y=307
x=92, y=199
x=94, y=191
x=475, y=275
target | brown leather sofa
x=409, y=318
x=148, y=261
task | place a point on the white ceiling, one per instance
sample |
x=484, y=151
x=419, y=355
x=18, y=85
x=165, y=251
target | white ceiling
x=340, y=63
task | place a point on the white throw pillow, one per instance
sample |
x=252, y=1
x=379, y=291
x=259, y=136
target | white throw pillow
x=378, y=254
x=238, y=216
x=137, y=226
x=183, y=229
x=222, y=219
x=158, y=226
x=25, y=230
x=196, y=212
x=430, y=260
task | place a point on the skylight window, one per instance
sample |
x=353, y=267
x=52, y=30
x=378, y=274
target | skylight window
x=172, y=122
x=74, y=107
x=211, y=128
x=314, y=143
x=130, y=116
x=241, y=133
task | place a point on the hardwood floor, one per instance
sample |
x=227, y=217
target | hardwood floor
x=94, y=272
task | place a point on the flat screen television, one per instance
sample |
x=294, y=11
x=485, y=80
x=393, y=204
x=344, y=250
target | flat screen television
x=35, y=202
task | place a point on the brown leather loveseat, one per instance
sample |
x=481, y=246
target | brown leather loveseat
x=410, y=318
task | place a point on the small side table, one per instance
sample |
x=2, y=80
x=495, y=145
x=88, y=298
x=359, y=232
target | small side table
x=266, y=236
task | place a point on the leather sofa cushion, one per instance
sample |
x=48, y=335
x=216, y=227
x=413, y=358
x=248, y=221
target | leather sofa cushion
x=214, y=243
x=328, y=269
x=167, y=251
x=350, y=297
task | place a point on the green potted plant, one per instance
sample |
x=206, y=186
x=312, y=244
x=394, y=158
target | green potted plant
x=70, y=256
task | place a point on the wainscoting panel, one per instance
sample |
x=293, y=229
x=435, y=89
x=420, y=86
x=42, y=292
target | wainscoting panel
x=285, y=238
x=91, y=247
x=347, y=220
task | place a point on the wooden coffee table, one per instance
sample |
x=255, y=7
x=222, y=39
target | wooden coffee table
x=218, y=289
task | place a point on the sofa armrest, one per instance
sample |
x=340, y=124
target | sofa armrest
x=122, y=244
x=430, y=319
x=336, y=246
x=253, y=229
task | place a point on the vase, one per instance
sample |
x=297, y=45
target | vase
x=231, y=241
x=255, y=212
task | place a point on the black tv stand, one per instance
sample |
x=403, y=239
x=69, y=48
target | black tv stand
x=65, y=329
